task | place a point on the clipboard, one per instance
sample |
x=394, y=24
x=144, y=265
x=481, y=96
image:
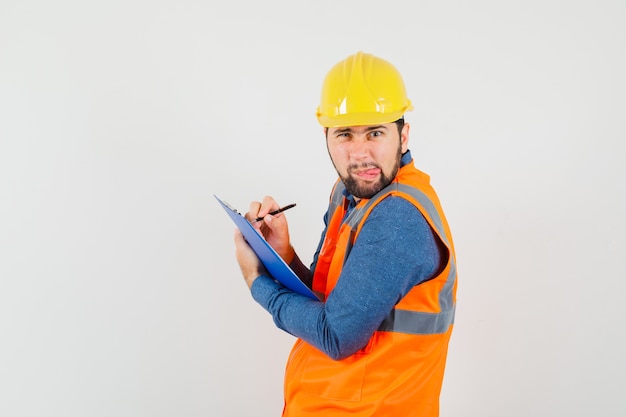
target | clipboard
x=271, y=260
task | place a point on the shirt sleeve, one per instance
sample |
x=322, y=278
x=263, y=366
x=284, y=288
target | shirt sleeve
x=395, y=250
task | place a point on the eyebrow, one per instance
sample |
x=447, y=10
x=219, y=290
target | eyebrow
x=349, y=129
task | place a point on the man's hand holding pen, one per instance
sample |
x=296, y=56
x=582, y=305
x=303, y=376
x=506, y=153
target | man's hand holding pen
x=275, y=212
x=274, y=227
x=267, y=218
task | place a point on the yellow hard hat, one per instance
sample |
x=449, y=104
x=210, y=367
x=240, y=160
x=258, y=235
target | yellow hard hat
x=362, y=90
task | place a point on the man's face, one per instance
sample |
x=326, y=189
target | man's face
x=367, y=158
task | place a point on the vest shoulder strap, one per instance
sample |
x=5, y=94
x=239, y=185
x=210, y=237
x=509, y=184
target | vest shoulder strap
x=336, y=198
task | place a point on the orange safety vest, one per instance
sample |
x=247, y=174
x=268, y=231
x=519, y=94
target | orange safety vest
x=400, y=370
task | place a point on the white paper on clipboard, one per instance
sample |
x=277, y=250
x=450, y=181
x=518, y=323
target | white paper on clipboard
x=271, y=260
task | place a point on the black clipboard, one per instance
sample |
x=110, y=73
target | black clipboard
x=271, y=260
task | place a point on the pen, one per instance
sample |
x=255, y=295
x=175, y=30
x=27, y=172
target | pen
x=280, y=210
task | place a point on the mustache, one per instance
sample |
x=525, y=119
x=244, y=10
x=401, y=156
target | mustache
x=363, y=165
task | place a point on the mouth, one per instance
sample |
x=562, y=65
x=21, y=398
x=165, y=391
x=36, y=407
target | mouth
x=368, y=173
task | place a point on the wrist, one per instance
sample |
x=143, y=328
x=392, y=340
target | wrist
x=250, y=279
x=289, y=255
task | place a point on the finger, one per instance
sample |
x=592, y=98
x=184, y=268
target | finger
x=268, y=204
x=253, y=210
x=242, y=248
x=277, y=226
x=239, y=239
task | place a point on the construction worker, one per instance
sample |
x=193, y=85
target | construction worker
x=376, y=342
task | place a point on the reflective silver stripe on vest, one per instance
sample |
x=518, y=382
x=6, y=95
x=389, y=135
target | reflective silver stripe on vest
x=336, y=199
x=412, y=322
x=415, y=322
x=406, y=321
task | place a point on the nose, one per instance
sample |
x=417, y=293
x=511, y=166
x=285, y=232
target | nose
x=359, y=149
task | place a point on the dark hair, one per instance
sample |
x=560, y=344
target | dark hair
x=400, y=124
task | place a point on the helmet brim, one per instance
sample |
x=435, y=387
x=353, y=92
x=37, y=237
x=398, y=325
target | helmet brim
x=361, y=119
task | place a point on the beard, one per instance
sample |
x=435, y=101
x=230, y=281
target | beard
x=367, y=190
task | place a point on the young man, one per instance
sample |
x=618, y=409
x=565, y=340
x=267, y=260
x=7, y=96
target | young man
x=385, y=266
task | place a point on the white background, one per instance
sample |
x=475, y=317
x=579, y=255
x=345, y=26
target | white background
x=119, y=291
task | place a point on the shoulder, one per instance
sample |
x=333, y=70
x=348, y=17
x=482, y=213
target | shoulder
x=397, y=217
x=394, y=208
x=396, y=227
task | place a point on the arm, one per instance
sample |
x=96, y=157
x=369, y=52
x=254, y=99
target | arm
x=395, y=250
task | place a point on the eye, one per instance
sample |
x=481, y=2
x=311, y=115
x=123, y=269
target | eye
x=343, y=136
x=375, y=133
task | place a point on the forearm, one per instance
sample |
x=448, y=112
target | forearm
x=300, y=316
x=336, y=328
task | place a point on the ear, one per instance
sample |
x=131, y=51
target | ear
x=404, y=137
